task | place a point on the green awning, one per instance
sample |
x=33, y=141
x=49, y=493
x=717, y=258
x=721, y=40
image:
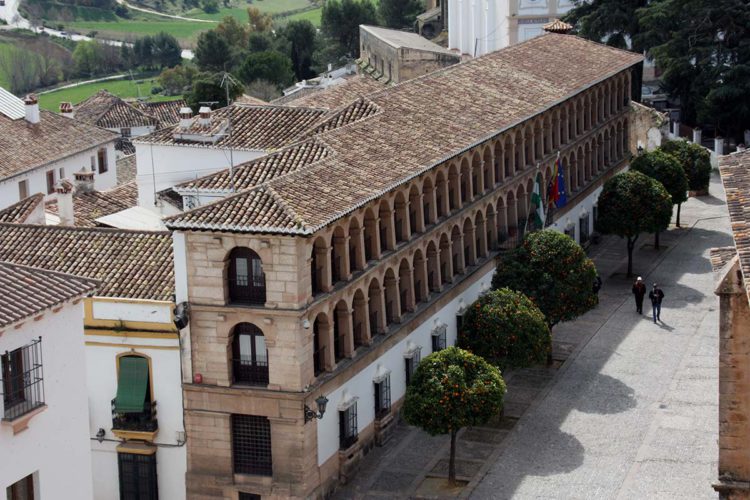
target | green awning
x=131, y=385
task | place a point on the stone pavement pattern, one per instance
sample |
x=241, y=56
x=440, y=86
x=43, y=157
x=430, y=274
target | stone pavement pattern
x=633, y=413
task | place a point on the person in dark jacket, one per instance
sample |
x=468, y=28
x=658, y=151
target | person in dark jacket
x=656, y=296
x=639, y=290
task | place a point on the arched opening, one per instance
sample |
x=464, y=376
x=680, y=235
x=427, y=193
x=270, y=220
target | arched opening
x=480, y=247
x=322, y=336
x=428, y=202
x=511, y=215
x=528, y=140
x=421, y=288
x=519, y=159
x=392, y=301
x=457, y=250
x=470, y=244
x=441, y=194
x=357, y=259
x=376, y=307
x=402, y=223
x=320, y=274
x=477, y=177
x=246, y=280
x=434, y=280
x=521, y=205
x=607, y=151
x=387, y=234
x=454, y=188
x=491, y=228
x=372, y=236
x=499, y=160
x=342, y=331
x=508, y=158
x=360, y=320
x=446, y=261
x=405, y=286
x=466, y=176
x=416, y=211
x=339, y=264
x=249, y=355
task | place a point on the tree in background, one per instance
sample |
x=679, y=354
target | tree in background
x=177, y=80
x=400, y=13
x=666, y=169
x=632, y=203
x=695, y=161
x=301, y=38
x=340, y=22
x=506, y=329
x=702, y=47
x=613, y=22
x=212, y=52
x=234, y=33
x=258, y=21
x=165, y=50
x=553, y=271
x=452, y=389
x=94, y=58
x=207, y=88
x=270, y=66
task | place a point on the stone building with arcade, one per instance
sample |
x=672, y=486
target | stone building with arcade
x=339, y=261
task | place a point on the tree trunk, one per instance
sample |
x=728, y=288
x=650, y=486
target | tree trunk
x=679, y=205
x=452, y=461
x=656, y=240
x=631, y=245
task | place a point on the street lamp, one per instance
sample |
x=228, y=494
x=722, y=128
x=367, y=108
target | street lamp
x=321, y=401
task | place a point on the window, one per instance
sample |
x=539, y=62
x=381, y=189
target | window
x=247, y=283
x=50, y=181
x=348, y=426
x=22, y=489
x=583, y=224
x=439, y=340
x=61, y=171
x=22, y=380
x=93, y=163
x=249, y=355
x=133, y=408
x=411, y=360
x=248, y=496
x=102, y=160
x=137, y=476
x=23, y=190
x=251, y=445
x=383, y=396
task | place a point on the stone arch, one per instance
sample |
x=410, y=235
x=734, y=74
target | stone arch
x=392, y=300
x=480, y=235
x=320, y=266
x=421, y=285
x=401, y=217
x=343, y=339
x=245, y=279
x=466, y=182
x=434, y=280
x=477, y=175
x=454, y=188
x=416, y=210
x=429, y=214
x=376, y=298
x=441, y=194
x=360, y=319
x=371, y=239
x=339, y=256
x=357, y=258
x=386, y=228
x=323, y=355
x=405, y=286
x=457, y=250
x=446, y=261
x=470, y=242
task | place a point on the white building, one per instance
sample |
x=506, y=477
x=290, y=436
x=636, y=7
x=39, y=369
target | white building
x=39, y=148
x=213, y=141
x=44, y=430
x=132, y=352
x=476, y=27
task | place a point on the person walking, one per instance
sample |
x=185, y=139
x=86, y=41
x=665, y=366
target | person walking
x=597, y=284
x=639, y=290
x=656, y=296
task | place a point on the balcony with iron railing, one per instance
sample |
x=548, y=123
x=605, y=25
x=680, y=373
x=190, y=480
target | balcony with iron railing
x=246, y=371
x=136, y=425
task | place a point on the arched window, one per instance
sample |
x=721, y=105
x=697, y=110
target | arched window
x=247, y=283
x=249, y=355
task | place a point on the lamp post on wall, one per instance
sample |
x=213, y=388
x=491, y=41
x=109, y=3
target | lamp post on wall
x=322, y=402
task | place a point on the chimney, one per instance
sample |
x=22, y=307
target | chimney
x=66, y=109
x=32, y=108
x=84, y=181
x=205, y=116
x=64, y=191
x=557, y=26
x=186, y=117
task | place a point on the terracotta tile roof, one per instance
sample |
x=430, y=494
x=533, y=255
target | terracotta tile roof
x=557, y=26
x=27, y=291
x=735, y=174
x=166, y=112
x=248, y=99
x=106, y=110
x=359, y=109
x=335, y=96
x=24, y=147
x=19, y=212
x=254, y=128
x=422, y=123
x=126, y=169
x=720, y=257
x=87, y=207
x=129, y=264
x=252, y=173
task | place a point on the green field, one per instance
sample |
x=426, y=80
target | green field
x=3, y=76
x=143, y=24
x=122, y=88
x=311, y=15
x=240, y=13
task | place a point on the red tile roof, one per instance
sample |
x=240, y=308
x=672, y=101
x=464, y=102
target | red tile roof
x=87, y=207
x=735, y=174
x=421, y=123
x=28, y=291
x=19, y=212
x=106, y=110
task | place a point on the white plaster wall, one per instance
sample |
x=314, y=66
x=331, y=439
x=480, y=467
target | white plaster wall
x=153, y=312
x=584, y=207
x=179, y=248
x=37, y=179
x=361, y=385
x=172, y=165
x=56, y=444
x=171, y=460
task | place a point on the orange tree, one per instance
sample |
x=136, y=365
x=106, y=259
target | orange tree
x=451, y=389
x=553, y=271
x=695, y=161
x=666, y=169
x=506, y=329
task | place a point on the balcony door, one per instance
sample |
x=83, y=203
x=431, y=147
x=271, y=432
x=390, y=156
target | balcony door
x=250, y=356
x=247, y=283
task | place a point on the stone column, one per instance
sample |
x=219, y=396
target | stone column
x=361, y=305
x=460, y=264
x=409, y=277
x=343, y=244
x=376, y=239
x=491, y=228
x=481, y=248
x=719, y=146
x=348, y=330
x=419, y=213
x=424, y=285
x=480, y=179
x=360, y=261
x=323, y=259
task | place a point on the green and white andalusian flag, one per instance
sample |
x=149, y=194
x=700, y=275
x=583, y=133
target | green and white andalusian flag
x=536, y=199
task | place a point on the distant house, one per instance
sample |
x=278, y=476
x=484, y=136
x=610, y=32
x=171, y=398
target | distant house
x=38, y=148
x=130, y=342
x=44, y=410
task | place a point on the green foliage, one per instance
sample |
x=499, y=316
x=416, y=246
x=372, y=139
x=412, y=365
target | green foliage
x=157, y=51
x=666, y=169
x=506, y=329
x=210, y=6
x=340, y=22
x=727, y=105
x=553, y=271
x=451, y=389
x=400, y=13
x=301, y=37
x=613, y=20
x=177, y=80
x=212, y=52
x=695, y=161
x=207, y=88
x=234, y=33
x=93, y=58
x=270, y=66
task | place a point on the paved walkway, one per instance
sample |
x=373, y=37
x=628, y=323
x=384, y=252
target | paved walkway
x=630, y=413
